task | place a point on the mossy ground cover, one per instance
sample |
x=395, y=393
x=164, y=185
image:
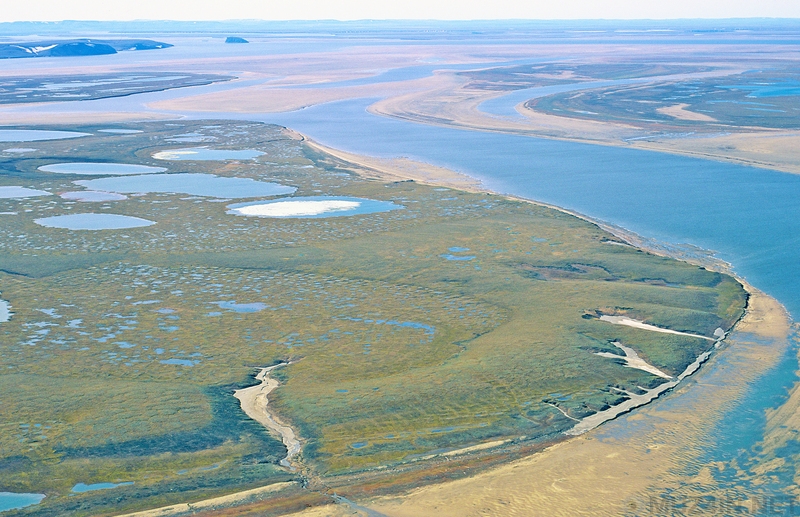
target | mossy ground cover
x=461, y=318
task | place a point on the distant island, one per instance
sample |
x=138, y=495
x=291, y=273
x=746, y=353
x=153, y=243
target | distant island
x=78, y=47
x=235, y=39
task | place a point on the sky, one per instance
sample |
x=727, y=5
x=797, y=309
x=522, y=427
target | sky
x=202, y=10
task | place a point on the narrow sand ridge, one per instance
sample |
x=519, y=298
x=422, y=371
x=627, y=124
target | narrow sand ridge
x=628, y=322
x=254, y=403
x=632, y=360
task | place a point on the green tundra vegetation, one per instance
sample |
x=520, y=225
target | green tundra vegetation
x=460, y=319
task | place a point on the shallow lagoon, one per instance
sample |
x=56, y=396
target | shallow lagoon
x=35, y=135
x=195, y=184
x=93, y=222
x=100, y=169
x=312, y=207
x=21, y=192
x=204, y=154
x=13, y=501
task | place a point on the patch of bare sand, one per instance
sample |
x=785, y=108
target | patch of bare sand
x=269, y=99
x=399, y=169
x=680, y=112
x=216, y=503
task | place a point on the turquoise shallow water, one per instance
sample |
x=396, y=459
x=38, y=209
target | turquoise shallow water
x=13, y=501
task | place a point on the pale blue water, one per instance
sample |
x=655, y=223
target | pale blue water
x=21, y=192
x=203, y=154
x=457, y=257
x=100, y=169
x=180, y=362
x=365, y=206
x=35, y=135
x=92, y=196
x=120, y=131
x=241, y=307
x=81, y=487
x=93, y=222
x=189, y=183
x=13, y=501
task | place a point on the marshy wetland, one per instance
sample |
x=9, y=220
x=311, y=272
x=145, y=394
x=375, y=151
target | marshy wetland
x=126, y=346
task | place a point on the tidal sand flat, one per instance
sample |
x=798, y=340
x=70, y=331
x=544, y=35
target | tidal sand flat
x=13, y=501
x=195, y=184
x=203, y=154
x=21, y=192
x=100, y=169
x=35, y=135
x=89, y=196
x=93, y=222
x=312, y=207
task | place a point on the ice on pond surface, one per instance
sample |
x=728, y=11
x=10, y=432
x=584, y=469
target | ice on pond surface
x=195, y=184
x=35, y=135
x=202, y=153
x=92, y=196
x=19, y=150
x=20, y=192
x=93, y=221
x=81, y=487
x=100, y=169
x=312, y=207
x=5, y=311
x=14, y=501
x=120, y=131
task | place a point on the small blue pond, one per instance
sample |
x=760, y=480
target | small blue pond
x=242, y=307
x=203, y=154
x=180, y=362
x=312, y=207
x=100, y=169
x=20, y=192
x=93, y=222
x=194, y=184
x=81, y=487
x=13, y=501
x=448, y=256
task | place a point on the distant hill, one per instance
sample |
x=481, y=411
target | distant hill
x=79, y=47
x=235, y=39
